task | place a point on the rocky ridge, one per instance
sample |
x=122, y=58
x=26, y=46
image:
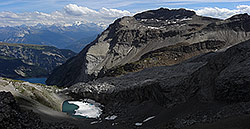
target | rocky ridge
x=24, y=60
x=205, y=89
x=166, y=56
x=129, y=38
x=12, y=116
x=73, y=37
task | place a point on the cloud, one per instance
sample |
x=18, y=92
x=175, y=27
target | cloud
x=244, y=8
x=73, y=13
x=223, y=13
x=114, y=12
x=73, y=9
x=70, y=14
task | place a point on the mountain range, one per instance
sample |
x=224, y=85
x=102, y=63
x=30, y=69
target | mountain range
x=151, y=38
x=177, y=68
x=73, y=37
x=28, y=60
x=158, y=69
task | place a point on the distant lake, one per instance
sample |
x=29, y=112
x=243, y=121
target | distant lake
x=34, y=80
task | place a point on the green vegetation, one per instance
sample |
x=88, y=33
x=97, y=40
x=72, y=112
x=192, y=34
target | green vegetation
x=21, y=44
x=22, y=90
x=36, y=71
x=30, y=93
x=30, y=46
x=28, y=60
x=16, y=81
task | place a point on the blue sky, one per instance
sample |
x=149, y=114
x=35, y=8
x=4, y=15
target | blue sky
x=48, y=6
x=68, y=12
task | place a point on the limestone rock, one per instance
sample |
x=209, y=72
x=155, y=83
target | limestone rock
x=129, y=38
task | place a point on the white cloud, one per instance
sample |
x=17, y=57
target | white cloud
x=73, y=13
x=244, y=8
x=70, y=14
x=73, y=9
x=114, y=12
x=223, y=12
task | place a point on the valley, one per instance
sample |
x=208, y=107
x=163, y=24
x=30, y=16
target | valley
x=73, y=37
x=159, y=69
x=30, y=61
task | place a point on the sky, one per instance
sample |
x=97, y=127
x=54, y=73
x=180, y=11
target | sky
x=104, y=12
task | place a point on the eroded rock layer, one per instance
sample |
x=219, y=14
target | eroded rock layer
x=129, y=39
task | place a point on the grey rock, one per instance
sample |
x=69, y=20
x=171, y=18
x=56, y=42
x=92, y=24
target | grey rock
x=204, y=89
x=129, y=38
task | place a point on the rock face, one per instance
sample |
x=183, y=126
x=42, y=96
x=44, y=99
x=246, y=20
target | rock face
x=20, y=60
x=129, y=38
x=204, y=89
x=12, y=117
x=166, y=56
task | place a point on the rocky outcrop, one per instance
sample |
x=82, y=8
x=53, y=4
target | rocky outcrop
x=203, y=89
x=12, y=117
x=165, y=14
x=166, y=56
x=22, y=61
x=129, y=38
x=38, y=95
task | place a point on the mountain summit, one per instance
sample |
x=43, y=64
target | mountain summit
x=130, y=38
x=165, y=14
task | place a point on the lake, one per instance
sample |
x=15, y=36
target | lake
x=69, y=108
x=34, y=80
x=82, y=109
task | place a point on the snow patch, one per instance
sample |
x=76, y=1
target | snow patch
x=20, y=72
x=95, y=122
x=144, y=20
x=21, y=35
x=86, y=109
x=151, y=27
x=138, y=124
x=186, y=19
x=111, y=117
x=152, y=117
x=51, y=54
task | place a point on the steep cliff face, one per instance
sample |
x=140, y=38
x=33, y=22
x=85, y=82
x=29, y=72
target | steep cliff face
x=20, y=60
x=129, y=38
x=166, y=56
x=208, y=88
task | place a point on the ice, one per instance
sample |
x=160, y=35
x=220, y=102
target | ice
x=151, y=27
x=111, y=117
x=138, y=124
x=86, y=109
x=152, y=117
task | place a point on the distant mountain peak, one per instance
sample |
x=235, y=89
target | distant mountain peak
x=244, y=16
x=165, y=14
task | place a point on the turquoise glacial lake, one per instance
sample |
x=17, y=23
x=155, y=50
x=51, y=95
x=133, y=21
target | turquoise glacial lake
x=82, y=109
x=70, y=109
